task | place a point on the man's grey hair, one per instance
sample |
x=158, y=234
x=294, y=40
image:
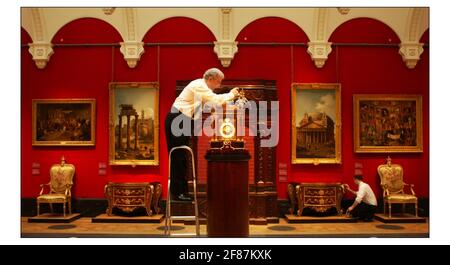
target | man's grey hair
x=213, y=73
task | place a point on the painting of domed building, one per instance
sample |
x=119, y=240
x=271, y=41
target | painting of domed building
x=316, y=114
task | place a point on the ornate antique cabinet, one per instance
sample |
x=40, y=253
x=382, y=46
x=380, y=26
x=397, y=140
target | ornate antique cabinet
x=320, y=197
x=130, y=196
x=262, y=179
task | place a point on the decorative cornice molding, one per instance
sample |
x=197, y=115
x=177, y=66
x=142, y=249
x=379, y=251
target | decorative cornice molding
x=225, y=48
x=131, y=48
x=225, y=51
x=319, y=52
x=130, y=23
x=416, y=15
x=319, y=47
x=38, y=25
x=108, y=10
x=132, y=51
x=321, y=23
x=410, y=52
x=41, y=52
x=343, y=10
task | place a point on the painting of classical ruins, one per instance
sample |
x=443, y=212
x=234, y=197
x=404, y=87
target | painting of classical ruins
x=134, y=124
x=68, y=122
x=387, y=123
x=316, y=124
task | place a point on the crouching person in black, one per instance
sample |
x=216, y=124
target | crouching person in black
x=365, y=204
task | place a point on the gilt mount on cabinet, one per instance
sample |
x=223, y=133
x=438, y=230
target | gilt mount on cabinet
x=320, y=197
x=131, y=196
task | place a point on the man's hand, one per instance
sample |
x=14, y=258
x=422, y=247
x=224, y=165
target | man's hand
x=350, y=209
x=235, y=91
x=346, y=186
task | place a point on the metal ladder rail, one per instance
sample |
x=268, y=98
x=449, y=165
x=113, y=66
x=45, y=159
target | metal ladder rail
x=169, y=217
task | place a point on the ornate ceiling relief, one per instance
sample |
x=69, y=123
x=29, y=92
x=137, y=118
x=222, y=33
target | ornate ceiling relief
x=343, y=10
x=319, y=48
x=414, y=21
x=108, y=10
x=131, y=48
x=411, y=49
x=39, y=49
x=225, y=47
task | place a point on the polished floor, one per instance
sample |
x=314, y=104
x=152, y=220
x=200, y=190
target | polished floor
x=84, y=227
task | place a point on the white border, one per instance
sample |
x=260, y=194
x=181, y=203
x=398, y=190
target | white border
x=10, y=133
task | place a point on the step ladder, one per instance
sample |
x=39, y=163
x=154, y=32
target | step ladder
x=169, y=217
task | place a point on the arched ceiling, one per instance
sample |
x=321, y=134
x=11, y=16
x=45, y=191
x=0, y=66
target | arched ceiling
x=225, y=23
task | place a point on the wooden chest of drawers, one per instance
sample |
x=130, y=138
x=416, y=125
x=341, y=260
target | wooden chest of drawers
x=317, y=196
x=130, y=196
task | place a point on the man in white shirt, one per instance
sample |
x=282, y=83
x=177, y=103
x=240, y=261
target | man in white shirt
x=185, y=108
x=365, y=204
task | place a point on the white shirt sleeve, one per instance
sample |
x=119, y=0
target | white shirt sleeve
x=207, y=94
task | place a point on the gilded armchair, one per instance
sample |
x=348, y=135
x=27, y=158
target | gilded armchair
x=391, y=176
x=59, y=187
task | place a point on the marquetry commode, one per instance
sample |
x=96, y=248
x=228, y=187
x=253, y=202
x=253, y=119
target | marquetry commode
x=320, y=197
x=130, y=196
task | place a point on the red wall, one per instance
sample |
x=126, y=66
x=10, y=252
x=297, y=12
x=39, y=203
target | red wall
x=84, y=72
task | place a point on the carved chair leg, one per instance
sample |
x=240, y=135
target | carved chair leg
x=64, y=209
x=390, y=210
x=51, y=207
x=70, y=206
x=384, y=207
x=38, y=209
x=403, y=208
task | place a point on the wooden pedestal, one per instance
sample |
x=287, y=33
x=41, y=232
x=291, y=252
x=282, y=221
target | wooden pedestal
x=227, y=193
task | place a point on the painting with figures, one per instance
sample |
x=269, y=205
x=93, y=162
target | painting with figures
x=68, y=122
x=134, y=123
x=316, y=124
x=388, y=123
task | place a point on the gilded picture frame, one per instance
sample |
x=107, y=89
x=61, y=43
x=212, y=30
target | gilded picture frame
x=316, y=123
x=134, y=107
x=63, y=122
x=387, y=123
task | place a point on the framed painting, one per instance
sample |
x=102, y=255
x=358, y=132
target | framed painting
x=134, y=123
x=316, y=123
x=63, y=122
x=387, y=123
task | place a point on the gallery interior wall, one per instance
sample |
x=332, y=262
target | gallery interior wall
x=85, y=72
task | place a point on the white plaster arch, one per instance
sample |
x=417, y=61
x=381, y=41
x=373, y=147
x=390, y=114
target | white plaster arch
x=411, y=48
x=302, y=17
x=394, y=18
x=57, y=18
x=40, y=49
x=422, y=32
x=28, y=32
x=416, y=25
x=27, y=22
x=225, y=24
x=147, y=18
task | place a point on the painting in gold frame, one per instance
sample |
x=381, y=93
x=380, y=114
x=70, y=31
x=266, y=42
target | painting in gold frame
x=63, y=122
x=386, y=123
x=134, y=123
x=316, y=123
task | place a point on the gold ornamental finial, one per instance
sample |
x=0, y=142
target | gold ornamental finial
x=389, y=161
x=63, y=161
